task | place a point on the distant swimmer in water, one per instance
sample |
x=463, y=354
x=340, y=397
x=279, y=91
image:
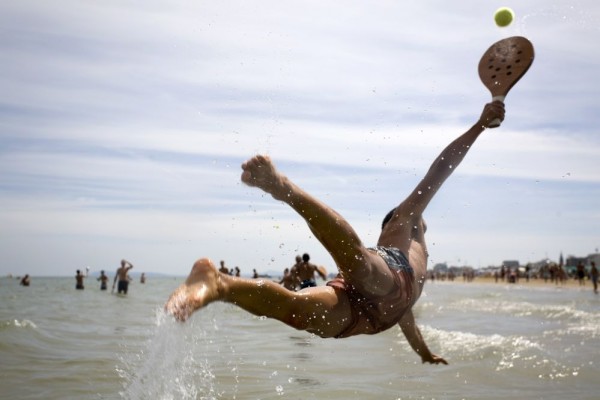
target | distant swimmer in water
x=122, y=277
x=25, y=281
x=79, y=280
x=223, y=268
x=376, y=287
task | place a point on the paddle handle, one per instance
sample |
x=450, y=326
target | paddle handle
x=496, y=122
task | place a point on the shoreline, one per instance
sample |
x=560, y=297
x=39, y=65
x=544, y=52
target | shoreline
x=522, y=282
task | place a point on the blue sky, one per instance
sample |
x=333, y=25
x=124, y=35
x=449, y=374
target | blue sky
x=123, y=126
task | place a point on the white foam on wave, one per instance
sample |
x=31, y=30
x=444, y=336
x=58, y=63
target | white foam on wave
x=520, y=308
x=505, y=353
x=574, y=321
x=471, y=345
x=21, y=324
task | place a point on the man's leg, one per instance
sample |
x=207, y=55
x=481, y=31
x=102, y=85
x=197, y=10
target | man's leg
x=366, y=271
x=320, y=310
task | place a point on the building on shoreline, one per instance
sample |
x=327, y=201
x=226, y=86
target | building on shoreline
x=536, y=269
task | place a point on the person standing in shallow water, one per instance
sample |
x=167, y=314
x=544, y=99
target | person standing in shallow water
x=594, y=277
x=122, y=276
x=375, y=288
x=25, y=281
x=305, y=272
x=581, y=274
x=288, y=280
x=79, y=280
x=223, y=268
x=103, y=279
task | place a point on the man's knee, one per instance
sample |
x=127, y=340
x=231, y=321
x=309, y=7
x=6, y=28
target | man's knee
x=201, y=263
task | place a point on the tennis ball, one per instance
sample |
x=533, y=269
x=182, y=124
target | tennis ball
x=504, y=16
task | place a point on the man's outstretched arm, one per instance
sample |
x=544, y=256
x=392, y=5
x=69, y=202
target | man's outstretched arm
x=443, y=166
x=415, y=339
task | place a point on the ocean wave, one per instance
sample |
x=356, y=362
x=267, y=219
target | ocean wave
x=521, y=309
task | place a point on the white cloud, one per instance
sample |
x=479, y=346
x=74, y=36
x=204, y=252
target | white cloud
x=123, y=126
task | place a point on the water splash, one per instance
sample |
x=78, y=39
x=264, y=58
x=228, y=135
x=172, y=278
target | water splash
x=170, y=367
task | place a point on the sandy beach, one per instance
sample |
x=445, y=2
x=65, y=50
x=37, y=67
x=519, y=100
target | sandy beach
x=567, y=284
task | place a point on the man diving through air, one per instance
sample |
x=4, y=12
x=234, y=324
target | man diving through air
x=375, y=288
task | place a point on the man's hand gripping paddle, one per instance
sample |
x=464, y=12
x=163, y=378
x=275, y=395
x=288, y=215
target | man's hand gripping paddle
x=503, y=64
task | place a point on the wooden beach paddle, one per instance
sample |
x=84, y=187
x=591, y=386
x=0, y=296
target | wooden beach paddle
x=503, y=64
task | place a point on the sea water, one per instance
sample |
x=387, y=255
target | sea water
x=502, y=341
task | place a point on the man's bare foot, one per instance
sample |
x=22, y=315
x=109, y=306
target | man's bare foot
x=202, y=286
x=259, y=171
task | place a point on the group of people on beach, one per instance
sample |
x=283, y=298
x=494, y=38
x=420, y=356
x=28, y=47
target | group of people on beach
x=553, y=273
